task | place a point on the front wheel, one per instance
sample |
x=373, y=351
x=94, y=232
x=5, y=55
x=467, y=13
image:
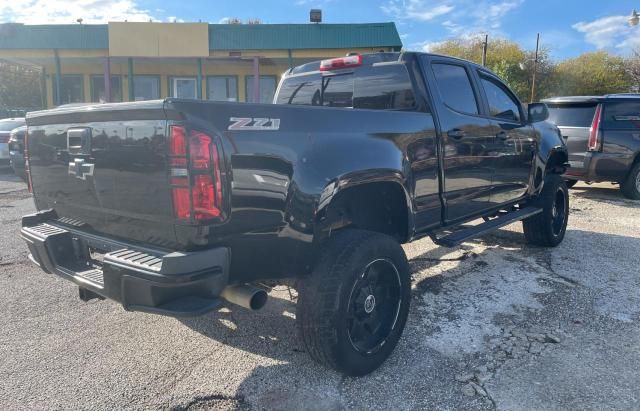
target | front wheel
x=631, y=185
x=547, y=229
x=352, y=309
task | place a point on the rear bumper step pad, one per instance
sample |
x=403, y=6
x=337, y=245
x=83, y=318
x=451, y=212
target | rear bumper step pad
x=169, y=283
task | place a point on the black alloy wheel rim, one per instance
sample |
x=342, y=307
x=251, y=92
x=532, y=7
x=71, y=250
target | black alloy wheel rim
x=374, y=306
x=559, y=212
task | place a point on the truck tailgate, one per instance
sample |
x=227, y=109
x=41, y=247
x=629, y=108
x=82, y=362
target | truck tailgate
x=104, y=167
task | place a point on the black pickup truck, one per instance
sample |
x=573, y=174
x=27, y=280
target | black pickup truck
x=173, y=206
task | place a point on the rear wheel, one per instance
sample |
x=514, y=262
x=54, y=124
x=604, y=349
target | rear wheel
x=353, y=308
x=631, y=186
x=548, y=228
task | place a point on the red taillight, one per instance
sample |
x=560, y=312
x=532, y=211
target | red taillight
x=199, y=150
x=178, y=144
x=181, y=206
x=203, y=195
x=594, y=133
x=27, y=168
x=195, y=182
x=341, y=63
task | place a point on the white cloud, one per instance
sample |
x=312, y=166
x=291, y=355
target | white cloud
x=460, y=18
x=416, y=10
x=428, y=46
x=67, y=11
x=174, y=19
x=609, y=32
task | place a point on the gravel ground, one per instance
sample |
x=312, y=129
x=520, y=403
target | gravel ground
x=494, y=324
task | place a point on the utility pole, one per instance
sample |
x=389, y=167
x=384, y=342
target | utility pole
x=484, y=50
x=535, y=69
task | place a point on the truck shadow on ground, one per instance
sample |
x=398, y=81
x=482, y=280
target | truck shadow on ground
x=271, y=333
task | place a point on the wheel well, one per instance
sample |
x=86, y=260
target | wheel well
x=379, y=207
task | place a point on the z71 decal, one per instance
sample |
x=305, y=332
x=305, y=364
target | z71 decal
x=255, y=124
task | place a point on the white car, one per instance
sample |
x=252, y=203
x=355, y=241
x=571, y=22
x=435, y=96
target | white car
x=6, y=125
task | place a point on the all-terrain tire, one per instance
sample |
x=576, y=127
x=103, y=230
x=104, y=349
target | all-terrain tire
x=328, y=305
x=631, y=185
x=547, y=229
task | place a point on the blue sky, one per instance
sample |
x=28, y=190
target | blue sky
x=567, y=27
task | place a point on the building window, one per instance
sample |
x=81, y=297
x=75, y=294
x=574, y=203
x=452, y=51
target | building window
x=71, y=89
x=267, y=89
x=183, y=87
x=222, y=88
x=146, y=88
x=97, y=89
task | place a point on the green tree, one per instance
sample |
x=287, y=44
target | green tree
x=20, y=87
x=594, y=73
x=633, y=70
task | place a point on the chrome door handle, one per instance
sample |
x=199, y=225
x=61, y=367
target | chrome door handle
x=456, y=133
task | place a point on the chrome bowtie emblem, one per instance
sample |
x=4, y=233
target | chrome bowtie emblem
x=369, y=304
x=80, y=169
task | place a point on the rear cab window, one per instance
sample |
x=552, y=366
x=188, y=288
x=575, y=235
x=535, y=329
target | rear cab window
x=572, y=115
x=381, y=86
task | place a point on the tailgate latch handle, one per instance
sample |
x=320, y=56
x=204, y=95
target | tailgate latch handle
x=79, y=141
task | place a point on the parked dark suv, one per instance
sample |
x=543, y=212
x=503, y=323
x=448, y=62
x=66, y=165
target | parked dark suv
x=602, y=134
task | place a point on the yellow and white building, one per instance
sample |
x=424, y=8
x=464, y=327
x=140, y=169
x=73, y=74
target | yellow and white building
x=126, y=61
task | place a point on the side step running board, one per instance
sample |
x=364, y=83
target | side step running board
x=459, y=237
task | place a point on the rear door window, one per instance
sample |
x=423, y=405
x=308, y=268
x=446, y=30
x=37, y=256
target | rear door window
x=572, y=115
x=623, y=114
x=384, y=87
x=455, y=87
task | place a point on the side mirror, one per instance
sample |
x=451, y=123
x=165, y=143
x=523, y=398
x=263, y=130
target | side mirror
x=537, y=112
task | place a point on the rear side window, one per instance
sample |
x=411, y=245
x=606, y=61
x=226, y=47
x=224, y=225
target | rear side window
x=572, y=115
x=622, y=114
x=455, y=88
x=386, y=87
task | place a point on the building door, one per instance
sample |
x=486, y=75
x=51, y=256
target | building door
x=184, y=87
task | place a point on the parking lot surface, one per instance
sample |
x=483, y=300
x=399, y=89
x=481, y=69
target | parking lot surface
x=494, y=324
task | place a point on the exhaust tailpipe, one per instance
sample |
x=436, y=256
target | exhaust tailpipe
x=246, y=296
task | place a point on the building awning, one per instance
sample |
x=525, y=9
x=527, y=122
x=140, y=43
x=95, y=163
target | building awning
x=220, y=36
